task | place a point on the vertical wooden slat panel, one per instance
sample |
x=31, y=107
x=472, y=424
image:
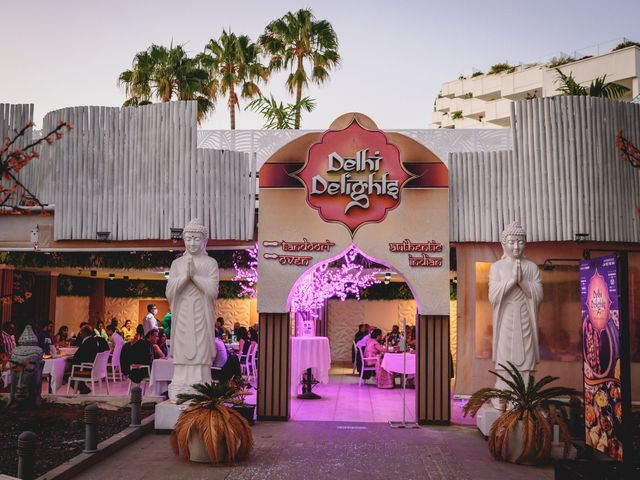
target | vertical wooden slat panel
x=274, y=366
x=433, y=389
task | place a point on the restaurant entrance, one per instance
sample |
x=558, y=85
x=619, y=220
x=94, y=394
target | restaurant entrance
x=352, y=190
x=344, y=310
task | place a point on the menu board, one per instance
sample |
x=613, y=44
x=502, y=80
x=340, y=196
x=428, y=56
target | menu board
x=601, y=355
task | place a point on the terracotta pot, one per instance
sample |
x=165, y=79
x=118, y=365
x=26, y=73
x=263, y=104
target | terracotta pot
x=198, y=451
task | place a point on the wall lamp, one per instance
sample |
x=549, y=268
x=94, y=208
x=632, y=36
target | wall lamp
x=103, y=236
x=176, y=234
x=112, y=276
x=387, y=278
x=581, y=237
x=549, y=266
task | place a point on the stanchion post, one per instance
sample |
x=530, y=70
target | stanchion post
x=90, y=428
x=26, y=454
x=136, y=406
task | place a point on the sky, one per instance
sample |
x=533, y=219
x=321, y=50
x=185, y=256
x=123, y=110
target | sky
x=395, y=53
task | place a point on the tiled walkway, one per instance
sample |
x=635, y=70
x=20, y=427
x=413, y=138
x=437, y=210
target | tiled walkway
x=328, y=450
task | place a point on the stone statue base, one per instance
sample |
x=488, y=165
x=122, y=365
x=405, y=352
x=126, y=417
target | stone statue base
x=167, y=414
x=185, y=376
x=485, y=418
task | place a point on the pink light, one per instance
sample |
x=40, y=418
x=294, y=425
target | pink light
x=322, y=282
x=247, y=276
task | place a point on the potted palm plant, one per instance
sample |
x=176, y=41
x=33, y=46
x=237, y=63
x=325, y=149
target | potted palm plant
x=209, y=431
x=524, y=431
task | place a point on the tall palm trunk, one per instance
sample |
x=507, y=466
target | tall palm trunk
x=298, y=96
x=232, y=108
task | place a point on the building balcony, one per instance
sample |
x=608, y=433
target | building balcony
x=498, y=112
x=523, y=84
x=443, y=104
x=486, y=87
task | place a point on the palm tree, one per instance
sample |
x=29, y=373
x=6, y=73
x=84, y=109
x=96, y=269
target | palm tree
x=226, y=435
x=526, y=401
x=166, y=73
x=277, y=115
x=298, y=37
x=598, y=87
x=232, y=63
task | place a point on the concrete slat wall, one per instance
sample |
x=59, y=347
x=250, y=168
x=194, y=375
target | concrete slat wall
x=564, y=175
x=15, y=117
x=136, y=172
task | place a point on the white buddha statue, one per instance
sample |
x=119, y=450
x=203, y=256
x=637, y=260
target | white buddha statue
x=192, y=290
x=515, y=293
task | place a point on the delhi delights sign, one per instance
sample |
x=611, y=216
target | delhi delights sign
x=353, y=176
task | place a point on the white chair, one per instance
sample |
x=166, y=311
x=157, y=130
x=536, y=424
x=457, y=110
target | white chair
x=143, y=381
x=254, y=365
x=247, y=361
x=364, y=367
x=355, y=358
x=91, y=372
x=115, y=362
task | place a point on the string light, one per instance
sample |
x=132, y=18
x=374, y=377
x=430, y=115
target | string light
x=323, y=282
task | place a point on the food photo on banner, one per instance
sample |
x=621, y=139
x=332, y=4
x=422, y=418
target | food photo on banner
x=601, y=353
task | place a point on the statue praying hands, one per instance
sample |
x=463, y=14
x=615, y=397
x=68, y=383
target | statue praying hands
x=192, y=290
x=515, y=293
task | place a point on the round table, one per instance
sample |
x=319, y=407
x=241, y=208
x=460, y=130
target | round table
x=394, y=363
x=54, y=367
x=160, y=377
x=310, y=354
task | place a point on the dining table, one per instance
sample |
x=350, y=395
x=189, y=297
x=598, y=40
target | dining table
x=394, y=363
x=160, y=377
x=311, y=355
x=54, y=368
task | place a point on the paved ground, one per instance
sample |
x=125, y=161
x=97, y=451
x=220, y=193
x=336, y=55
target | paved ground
x=329, y=450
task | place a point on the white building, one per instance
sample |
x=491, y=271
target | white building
x=484, y=101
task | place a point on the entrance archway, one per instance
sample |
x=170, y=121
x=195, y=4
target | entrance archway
x=334, y=299
x=383, y=192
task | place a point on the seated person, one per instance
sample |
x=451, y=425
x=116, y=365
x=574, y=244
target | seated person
x=220, y=330
x=373, y=350
x=139, y=352
x=411, y=337
x=62, y=337
x=128, y=332
x=75, y=342
x=221, y=353
x=100, y=330
x=90, y=346
x=393, y=337
x=44, y=337
x=115, y=338
x=152, y=337
x=162, y=342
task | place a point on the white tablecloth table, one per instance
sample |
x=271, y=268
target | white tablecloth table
x=161, y=376
x=55, y=367
x=309, y=352
x=393, y=362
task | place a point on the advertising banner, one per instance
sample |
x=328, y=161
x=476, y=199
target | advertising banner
x=601, y=344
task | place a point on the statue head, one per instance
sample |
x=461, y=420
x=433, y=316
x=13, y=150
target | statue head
x=195, y=236
x=513, y=240
x=26, y=365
